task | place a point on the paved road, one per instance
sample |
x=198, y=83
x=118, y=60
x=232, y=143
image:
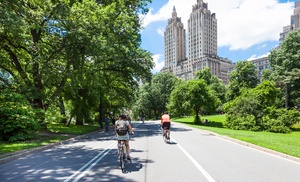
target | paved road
x=192, y=155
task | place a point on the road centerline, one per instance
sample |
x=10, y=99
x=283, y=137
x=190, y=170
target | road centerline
x=84, y=169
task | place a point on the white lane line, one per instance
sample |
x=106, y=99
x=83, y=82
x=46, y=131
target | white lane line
x=201, y=169
x=103, y=153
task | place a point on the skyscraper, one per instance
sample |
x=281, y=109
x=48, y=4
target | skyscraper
x=295, y=18
x=174, y=39
x=202, y=45
x=202, y=29
x=295, y=23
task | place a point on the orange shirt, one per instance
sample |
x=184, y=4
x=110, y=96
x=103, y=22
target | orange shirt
x=165, y=118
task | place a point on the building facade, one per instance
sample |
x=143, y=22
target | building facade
x=295, y=22
x=261, y=64
x=175, y=42
x=202, y=45
x=295, y=18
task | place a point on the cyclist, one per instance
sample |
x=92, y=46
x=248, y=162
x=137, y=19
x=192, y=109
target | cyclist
x=122, y=123
x=165, y=123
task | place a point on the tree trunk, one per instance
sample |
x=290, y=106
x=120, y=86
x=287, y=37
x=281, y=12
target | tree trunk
x=197, y=118
x=37, y=104
x=62, y=110
x=286, y=97
x=79, y=121
x=101, y=116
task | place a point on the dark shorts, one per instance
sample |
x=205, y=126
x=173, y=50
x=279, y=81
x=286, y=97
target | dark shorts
x=166, y=125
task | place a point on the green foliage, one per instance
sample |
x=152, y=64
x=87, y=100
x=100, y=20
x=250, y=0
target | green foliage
x=243, y=113
x=243, y=77
x=255, y=110
x=281, y=120
x=85, y=52
x=17, y=118
x=214, y=83
x=193, y=95
x=153, y=97
x=285, y=65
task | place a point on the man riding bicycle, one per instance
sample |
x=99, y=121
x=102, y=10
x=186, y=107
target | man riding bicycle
x=121, y=129
x=165, y=123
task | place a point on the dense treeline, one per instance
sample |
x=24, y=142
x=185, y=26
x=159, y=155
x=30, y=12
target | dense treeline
x=64, y=60
x=271, y=104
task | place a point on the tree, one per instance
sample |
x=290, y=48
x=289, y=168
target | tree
x=214, y=83
x=243, y=77
x=194, y=95
x=162, y=84
x=154, y=96
x=47, y=43
x=285, y=64
x=256, y=110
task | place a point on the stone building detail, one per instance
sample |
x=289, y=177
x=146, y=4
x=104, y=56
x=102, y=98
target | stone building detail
x=202, y=45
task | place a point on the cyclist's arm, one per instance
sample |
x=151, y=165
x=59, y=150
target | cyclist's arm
x=130, y=128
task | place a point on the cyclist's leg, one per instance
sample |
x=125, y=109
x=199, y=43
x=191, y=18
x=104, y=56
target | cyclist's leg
x=169, y=127
x=119, y=143
x=127, y=148
x=163, y=125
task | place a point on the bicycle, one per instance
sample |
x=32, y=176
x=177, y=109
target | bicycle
x=166, y=136
x=122, y=155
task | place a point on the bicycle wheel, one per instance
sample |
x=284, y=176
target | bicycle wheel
x=122, y=162
x=164, y=136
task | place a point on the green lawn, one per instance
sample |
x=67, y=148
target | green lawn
x=284, y=143
x=52, y=136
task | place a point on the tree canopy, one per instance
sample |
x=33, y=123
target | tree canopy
x=82, y=51
x=286, y=68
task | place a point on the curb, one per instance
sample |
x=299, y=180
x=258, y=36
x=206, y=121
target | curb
x=270, y=151
x=15, y=155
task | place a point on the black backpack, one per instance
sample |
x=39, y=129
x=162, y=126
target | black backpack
x=121, y=128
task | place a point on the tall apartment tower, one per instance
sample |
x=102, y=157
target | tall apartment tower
x=202, y=34
x=202, y=41
x=295, y=18
x=295, y=23
x=175, y=43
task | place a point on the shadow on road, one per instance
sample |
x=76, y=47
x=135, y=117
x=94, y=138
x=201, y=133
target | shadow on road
x=57, y=164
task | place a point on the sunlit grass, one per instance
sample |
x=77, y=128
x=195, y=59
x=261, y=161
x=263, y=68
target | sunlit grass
x=6, y=147
x=284, y=143
x=73, y=129
x=45, y=139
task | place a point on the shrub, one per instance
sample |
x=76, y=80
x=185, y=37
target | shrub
x=16, y=118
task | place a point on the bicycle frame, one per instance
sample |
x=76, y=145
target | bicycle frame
x=122, y=154
x=165, y=135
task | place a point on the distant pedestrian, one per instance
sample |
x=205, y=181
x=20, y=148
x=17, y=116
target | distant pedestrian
x=106, y=120
x=113, y=121
x=128, y=119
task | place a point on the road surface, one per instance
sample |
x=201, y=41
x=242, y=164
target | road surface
x=192, y=155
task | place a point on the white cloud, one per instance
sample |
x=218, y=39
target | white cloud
x=241, y=23
x=158, y=64
x=160, y=31
x=262, y=46
x=257, y=57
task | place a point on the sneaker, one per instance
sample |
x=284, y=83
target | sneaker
x=128, y=158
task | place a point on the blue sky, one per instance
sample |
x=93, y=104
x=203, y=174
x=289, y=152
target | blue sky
x=247, y=29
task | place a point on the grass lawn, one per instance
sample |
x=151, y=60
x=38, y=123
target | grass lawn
x=56, y=132
x=284, y=143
